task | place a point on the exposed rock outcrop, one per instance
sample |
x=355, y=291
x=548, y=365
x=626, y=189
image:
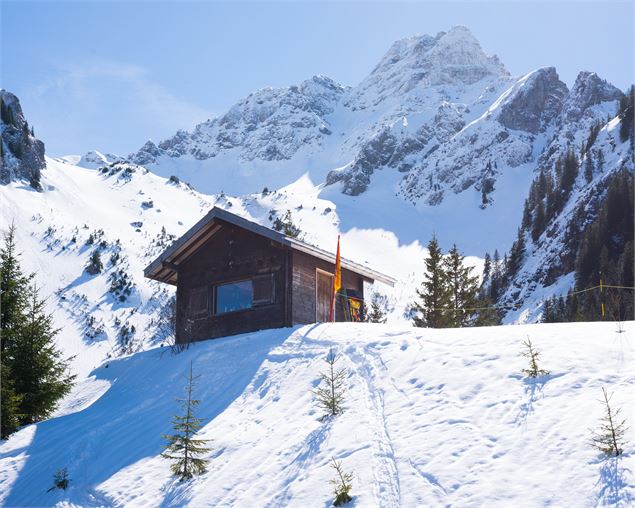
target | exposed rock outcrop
x=21, y=153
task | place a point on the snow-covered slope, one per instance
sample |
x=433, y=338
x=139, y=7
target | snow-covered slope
x=587, y=126
x=433, y=418
x=129, y=216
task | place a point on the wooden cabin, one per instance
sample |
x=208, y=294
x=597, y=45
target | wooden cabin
x=235, y=276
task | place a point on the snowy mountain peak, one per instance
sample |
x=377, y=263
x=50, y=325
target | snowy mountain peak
x=587, y=91
x=459, y=48
x=95, y=159
x=450, y=57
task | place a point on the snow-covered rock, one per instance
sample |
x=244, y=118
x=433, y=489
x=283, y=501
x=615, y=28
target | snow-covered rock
x=21, y=154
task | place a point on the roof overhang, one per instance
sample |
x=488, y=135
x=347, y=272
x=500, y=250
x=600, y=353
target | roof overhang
x=165, y=267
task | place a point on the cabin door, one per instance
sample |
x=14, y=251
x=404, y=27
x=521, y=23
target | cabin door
x=323, y=291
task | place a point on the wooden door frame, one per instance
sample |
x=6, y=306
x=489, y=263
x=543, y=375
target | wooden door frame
x=332, y=277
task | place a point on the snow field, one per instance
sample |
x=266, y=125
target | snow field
x=433, y=418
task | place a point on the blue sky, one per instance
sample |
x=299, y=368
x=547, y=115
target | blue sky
x=110, y=75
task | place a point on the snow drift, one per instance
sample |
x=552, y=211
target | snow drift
x=433, y=418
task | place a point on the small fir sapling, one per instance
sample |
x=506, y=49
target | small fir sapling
x=608, y=439
x=342, y=484
x=182, y=448
x=60, y=480
x=330, y=396
x=532, y=353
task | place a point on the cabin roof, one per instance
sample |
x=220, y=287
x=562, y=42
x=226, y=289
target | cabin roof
x=164, y=268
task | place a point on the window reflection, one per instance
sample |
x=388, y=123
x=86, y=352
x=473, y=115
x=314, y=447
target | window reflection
x=234, y=296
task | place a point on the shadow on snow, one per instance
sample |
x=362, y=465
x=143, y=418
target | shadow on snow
x=612, y=483
x=126, y=424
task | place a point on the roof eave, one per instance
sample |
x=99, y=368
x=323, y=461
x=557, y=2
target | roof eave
x=154, y=268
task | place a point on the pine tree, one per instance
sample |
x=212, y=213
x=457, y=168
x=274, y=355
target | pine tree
x=487, y=185
x=14, y=287
x=588, y=167
x=487, y=268
x=538, y=222
x=183, y=449
x=534, y=370
x=496, y=278
x=10, y=403
x=600, y=163
x=342, y=484
x=94, y=265
x=541, y=187
x=487, y=314
x=526, y=220
x=612, y=429
x=60, y=480
x=516, y=255
x=330, y=397
x=547, y=313
x=287, y=226
x=34, y=375
x=463, y=289
x=627, y=112
x=434, y=295
x=378, y=308
x=569, y=172
x=40, y=374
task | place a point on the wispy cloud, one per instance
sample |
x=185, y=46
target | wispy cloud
x=111, y=100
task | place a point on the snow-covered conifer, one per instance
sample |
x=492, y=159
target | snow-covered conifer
x=378, y=308
x=94, y=265
x=183, y=449
x=463, y=288
x=434, y=295
x=608, y=439
x=330, y=396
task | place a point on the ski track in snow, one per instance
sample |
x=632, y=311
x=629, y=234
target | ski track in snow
x=432, y=418
x=385, y=466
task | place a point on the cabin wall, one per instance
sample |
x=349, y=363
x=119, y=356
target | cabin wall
x=232, y=254
x=303, y=287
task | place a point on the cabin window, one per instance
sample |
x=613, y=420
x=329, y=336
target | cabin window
x=198, y=302
x=245, y=294
x=264, y=289
x=234, y=296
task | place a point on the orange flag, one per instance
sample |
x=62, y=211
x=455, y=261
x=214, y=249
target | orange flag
x=337, y=282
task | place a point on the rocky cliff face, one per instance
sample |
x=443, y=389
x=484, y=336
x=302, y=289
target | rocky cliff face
x=269, y=125
x=21, y=153
x=535, y=104
x=586, y=129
